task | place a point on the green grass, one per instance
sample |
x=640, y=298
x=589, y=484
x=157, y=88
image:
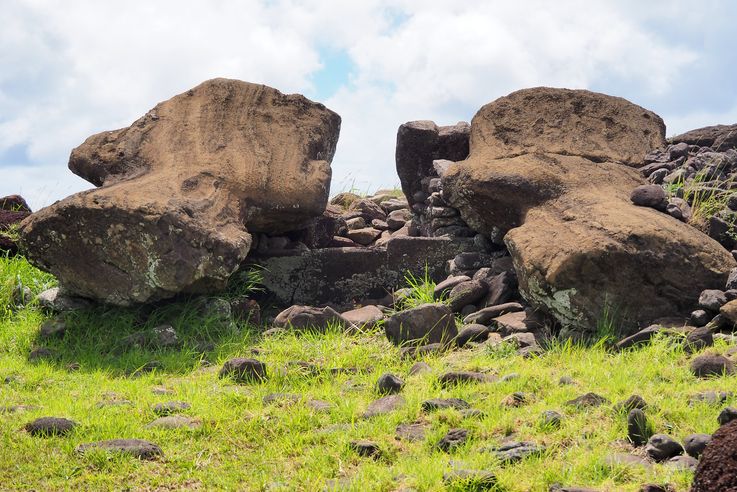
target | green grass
x=705, y=201
x=245, y=444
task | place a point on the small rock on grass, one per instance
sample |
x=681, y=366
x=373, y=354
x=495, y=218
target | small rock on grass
x=661, y=447
x=243, y=370
x=384, y=405
x=453, y=439
x=366, y=448
x=443, y=403
x=471, y=479
x=460, y=377
x=516, y=451
x=634, y=401
x=419, y=368
x=639, y=429
x=175, y=422
x=695, y=444
x=411, y=432
x=389, y=384
x=138, y=448
x=711, y=365
x=472, y=333
x=587, y=400
x=50, y=426
x=170, y=407
x=682, y=463
x=551, y=419
x=727, y=415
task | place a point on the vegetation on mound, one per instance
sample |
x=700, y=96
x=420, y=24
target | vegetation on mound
x=243, y=443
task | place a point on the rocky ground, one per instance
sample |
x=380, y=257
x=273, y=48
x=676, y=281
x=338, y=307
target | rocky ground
x=185, y=396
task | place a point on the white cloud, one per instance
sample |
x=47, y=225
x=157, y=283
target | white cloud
x=71, y=69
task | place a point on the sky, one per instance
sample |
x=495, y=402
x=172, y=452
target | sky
x=74, y=68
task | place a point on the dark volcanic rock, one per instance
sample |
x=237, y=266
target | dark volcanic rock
x=514, y=452
x=717, y=469
x=639, y=429
x=443, y=403
x=384, y=405
x=135, y=447
x=453, y=439
x=170, y=407
x=428, y=323
x=650, y=196
x=695, y=444
x=308, y=317
x=470, y=480
x=50, y=426
x=366, y=448
x=661, y=447
x=472, y=333
x=718, y=137
x=588, y=400
x=727, y=415
x=419, y=143
x=243, y=370
x=389, y=384
x=711, y=365
x=453, y=378
x=466, y=293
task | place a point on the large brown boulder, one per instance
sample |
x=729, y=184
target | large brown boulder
x=181, y=188
x=555, y=168
x=717, y=469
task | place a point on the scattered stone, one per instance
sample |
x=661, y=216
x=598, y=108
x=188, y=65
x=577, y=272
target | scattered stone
x=700, y=317
x=518, y=322
x=52, y=328
x=631, y=403
x=419, y=368
x=50, y=426
x=729, y=311
x=626, y=459
x=698, y=339
x=709, y=365
x=446, y=286
x=243, y=370
x=652, y=196
x=466, y=293
x=55, y=300
x=471, y=479
x=175, y=422
x=522, y=340
x=364, y=236
x=384, y=405
x=453, y=378
x=425, y=324
x=509, y=377
x=365, y=317
x=642, y=336
x=551, y=419
x=712, y=300
x=514, y=452
x=309, y=318
x=566, y=381
x=485, y=315
x=683, y=463
x=727, y=415
x=661, y=447
x=367, y=449
x=639, y=429
x=170, y=407
x=411, y=432
x=319, y=406
x=40, y=353
x=453, y=439
x=588, y=400
x=695, y=444
x=138, y=448
x=444, y=403
x=472, y=333
x=516, y=399
x=710, y=397
x=389, y=384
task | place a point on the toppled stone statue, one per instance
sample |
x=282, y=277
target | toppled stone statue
x=182, y=188
x=554, y=169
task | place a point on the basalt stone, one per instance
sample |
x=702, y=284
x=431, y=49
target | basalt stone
x=472, y=333
x=470, y=480
x=138, y=448
x=419, y=144
x=515, y=452
x=710, y=397
x=695, y=444
x=170, y=407
x=50, y=426
x=444, y=403
x=384, y=405
x=700, y=317
x=727, y=415
x=682, y=463
x=464, y=377
x=712, y=300
x=709, y=365
x=419, y=368
x=411, y=432
x=428, y=323
x=444, y=287
x=181, y=190
x=588, y=400
x=364, y=317
x=551, y=419
x=175, y=422
x=366, y=448
x=308, y=317
x=243, y=370
x=486, y=315
x=518, y=322
x=453, y=439
x=717, y=469
x=639, y=429
x=631, y=403
x=650, y=196
x=720, y=138
x=388, y=384
x=466, y=293
x=661, y=447
x=699, y=339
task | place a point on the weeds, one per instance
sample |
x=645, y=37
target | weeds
x=706, y=197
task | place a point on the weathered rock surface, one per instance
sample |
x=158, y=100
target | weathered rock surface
x=717, y=469
x=554, y=168
x=309, y=317
x=718, y=137
x=425, y=324
x=13, y=209
x=180, y=190
x=419, y=143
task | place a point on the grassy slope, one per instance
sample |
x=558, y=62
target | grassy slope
x=247, y=445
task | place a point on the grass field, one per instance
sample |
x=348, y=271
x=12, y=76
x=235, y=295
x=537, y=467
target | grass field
x=246, y=444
